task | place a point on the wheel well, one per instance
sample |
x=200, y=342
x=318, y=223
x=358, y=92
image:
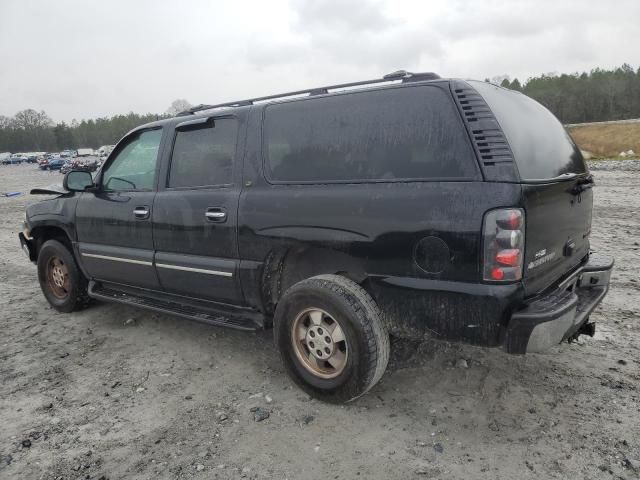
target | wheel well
x=42, y=234
x=285, y=268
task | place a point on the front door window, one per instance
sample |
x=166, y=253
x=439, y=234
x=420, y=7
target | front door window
x=134, y=166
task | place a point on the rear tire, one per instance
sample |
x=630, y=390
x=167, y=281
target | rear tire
x=63, y=284
x=331, y=338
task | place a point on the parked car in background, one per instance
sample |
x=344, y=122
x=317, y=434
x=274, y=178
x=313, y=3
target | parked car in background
x=14, y=159
x=55, y=163
x=4, y=156
x=32, y=158
x=90, y=164
x=105, y=150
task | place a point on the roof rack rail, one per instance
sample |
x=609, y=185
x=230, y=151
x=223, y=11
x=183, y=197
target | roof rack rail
x=402, y=75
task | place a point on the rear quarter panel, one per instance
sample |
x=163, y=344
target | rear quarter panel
x=378, y=225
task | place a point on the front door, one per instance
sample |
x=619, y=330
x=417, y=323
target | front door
x=114, y=223
x=195, y=213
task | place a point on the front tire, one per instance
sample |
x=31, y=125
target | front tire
x=331, y=338
x=62, y=283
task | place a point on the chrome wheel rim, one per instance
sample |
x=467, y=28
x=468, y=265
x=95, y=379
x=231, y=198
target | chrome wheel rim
x=58, y=278
x=320, y=343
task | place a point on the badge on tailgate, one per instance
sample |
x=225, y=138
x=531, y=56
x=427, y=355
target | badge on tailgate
x=542, y=257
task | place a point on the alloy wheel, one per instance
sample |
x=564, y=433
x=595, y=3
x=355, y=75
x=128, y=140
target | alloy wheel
x=320, y=343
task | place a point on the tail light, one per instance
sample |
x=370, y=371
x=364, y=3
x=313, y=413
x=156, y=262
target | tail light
x=503, y=240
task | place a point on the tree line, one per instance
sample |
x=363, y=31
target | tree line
x=595, y=96
x=33, y=131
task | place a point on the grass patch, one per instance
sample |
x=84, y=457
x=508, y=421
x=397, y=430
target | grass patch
x=608, y=140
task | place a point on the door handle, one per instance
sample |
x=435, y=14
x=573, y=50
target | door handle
x=216, y=214
x=141, y=212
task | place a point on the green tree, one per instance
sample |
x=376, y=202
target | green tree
x=63, y=136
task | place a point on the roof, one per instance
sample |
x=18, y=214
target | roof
x=397, y=77
x=401, y=75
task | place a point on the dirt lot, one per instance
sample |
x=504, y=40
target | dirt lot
x=114, y=392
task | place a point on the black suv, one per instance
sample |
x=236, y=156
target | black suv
x=404, y=206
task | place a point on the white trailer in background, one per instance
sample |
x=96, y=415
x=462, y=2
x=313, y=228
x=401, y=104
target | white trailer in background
x=85, y=152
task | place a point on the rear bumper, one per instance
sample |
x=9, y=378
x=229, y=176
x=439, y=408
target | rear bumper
x=558, y=315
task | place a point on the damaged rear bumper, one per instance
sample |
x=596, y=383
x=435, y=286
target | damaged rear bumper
x=556, y=316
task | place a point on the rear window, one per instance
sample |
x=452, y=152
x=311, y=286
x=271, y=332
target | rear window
x=393, y=134
x=541, y=146
x=203, y=155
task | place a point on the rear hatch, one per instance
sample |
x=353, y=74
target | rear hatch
x=558, y=223
x=556, y=187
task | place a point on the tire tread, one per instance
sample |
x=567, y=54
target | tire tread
x=369, y=317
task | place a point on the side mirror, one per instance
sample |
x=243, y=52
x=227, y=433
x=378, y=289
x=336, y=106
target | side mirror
x=77, y=180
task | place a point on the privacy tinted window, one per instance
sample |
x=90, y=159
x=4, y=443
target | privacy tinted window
x=541, y=146
x=203, y=155
x=403, y=133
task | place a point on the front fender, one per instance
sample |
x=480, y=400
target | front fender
x=55, y=213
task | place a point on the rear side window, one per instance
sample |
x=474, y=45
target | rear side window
x=541, y=146
x=203, y=155
x=394, y=134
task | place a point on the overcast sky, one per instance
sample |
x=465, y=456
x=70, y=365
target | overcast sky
x=86, y=59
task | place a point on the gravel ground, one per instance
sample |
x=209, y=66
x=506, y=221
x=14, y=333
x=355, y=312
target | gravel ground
x=114, y=392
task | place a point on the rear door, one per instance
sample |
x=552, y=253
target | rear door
x=114, y=223
x=556, y=186
x=195, y=211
